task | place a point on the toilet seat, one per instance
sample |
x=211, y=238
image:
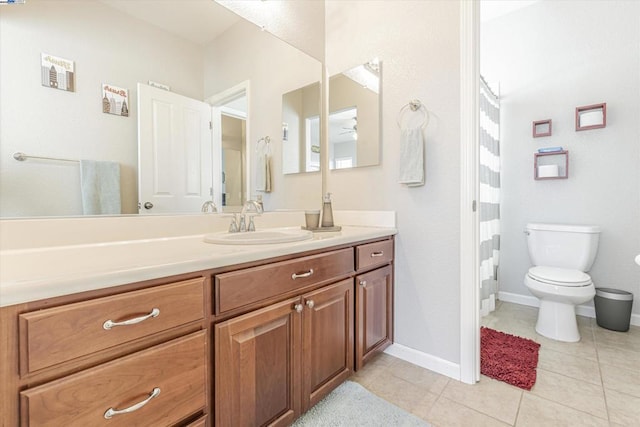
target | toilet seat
x=559, y=276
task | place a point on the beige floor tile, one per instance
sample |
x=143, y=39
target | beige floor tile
x=397, y=391
x=585, y=348
x=421, y=377
x=447, y=413
x=535, y=411
x=494, y=398
x=623, y=408
x=629, y=340
x=423, y=408
x=567, y=391
x=569, y=365
x=621, y=379
x=618, y=357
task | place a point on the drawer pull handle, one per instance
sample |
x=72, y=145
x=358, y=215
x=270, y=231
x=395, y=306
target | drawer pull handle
x=310, y=303
x=110, y=323
x=298, y=308
x=111, y=411
x=375, y=254
x=363, y=283
x=295, y=276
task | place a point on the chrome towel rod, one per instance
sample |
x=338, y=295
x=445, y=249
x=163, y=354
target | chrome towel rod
x=21, y=157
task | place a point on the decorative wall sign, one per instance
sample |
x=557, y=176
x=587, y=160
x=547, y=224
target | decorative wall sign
x=115, y=100
x=57, y=73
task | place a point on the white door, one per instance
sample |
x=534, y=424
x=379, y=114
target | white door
x=175, y=155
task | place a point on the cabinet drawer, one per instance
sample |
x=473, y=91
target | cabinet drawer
x=176, y=368
x=372, y=254
x=243, y=287
x=55, y=335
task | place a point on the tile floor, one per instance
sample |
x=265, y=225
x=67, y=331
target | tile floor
x=595, y=382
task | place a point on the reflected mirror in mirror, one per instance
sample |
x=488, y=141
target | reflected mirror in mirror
x=199, y=49
x=354, y=117
x=301, y=130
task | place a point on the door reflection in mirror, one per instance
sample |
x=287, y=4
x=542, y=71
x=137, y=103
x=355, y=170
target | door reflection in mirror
x=301, y=130
x=354, y=117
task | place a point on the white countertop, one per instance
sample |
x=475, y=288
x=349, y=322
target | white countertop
x=38, y=273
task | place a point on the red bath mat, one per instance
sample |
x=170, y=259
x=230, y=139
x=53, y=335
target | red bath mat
x=508, y=358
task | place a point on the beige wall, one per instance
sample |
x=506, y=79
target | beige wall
x=107, y=47
x=418, y=44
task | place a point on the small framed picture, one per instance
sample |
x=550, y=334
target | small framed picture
x=57, y=73
x=115, y=100
x=591, y=116
x=542, y=128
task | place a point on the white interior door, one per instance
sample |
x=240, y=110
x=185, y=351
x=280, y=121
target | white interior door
x=175, y=155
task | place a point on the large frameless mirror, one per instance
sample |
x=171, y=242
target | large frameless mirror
x=354, y=117
x=199, y=50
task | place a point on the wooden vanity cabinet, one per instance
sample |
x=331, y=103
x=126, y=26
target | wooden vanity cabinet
x=273, y=363
x=68, y=361
x=374, y=300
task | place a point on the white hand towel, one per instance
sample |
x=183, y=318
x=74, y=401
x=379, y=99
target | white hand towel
x=261, y=171
x=412, y=157
x=100, y=187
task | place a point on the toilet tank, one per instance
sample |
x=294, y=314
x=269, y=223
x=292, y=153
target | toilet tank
x=564, y=246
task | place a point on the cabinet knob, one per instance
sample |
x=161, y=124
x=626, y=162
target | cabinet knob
x=363, y=283
x=298, y=308
x=310, y=303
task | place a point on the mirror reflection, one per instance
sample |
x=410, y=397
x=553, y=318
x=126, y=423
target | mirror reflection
x=301, y=130
x=354, y=117
x=198, y=50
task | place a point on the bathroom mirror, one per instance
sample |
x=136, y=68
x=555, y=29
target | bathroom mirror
x=199, y=49
x=354, y=117
x=301, y=130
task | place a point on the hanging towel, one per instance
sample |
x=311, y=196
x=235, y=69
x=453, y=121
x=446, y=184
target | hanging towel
x=100, y=187
x=263, y=168
x=412, y=157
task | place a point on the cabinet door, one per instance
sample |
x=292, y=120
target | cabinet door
x=374, y=308
x=327, y=340
x=257, y=367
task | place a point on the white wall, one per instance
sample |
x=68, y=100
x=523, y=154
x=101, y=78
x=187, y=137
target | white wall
x=273, y=69
x=550, y=58
x=107, y=47
x=418, y=44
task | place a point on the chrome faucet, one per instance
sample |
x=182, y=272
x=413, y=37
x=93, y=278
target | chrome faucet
x=250, y=207
x=209, y=207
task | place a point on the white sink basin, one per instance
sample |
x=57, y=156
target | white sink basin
x=274, y=235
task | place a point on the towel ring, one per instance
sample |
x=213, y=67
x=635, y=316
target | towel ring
x=266, y=140
x=414, y=106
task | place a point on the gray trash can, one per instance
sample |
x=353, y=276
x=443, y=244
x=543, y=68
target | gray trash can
x=613, y=308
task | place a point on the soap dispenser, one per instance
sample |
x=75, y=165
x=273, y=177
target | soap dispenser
x=327, y=212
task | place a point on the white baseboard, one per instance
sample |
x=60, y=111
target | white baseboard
x=531, y=301
x=425, y=360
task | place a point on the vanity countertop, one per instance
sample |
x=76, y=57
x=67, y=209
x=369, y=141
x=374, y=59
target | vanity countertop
x=39, y=273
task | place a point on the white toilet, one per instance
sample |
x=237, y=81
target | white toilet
x=561, y=255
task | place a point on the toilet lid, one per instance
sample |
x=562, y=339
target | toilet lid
x=560, y=276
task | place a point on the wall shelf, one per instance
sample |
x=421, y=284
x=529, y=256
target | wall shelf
x=554, y=165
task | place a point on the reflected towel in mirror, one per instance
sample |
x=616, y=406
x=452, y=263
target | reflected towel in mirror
x=100, y=187
x=263, y=167
x=411, y=157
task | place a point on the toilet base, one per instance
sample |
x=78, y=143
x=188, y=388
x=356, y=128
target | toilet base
x=557, y=321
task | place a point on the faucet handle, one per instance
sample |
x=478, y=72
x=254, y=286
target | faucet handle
x=243, y=224
x=252, y=226
x=233, y=227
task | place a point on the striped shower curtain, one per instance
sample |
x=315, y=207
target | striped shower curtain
x=489, y=172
